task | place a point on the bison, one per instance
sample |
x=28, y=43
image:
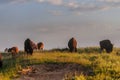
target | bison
x=72, y=44
x=6, y=50
x=29, y=46
x=107, y=45
x=40, y=46
x=13, y=50
x=34, y=46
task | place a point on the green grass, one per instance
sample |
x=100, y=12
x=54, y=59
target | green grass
x=104, y=66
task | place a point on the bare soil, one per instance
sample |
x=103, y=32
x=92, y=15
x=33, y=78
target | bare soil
x=52, y=71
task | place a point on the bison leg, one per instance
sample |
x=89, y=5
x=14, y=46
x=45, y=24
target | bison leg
x=13, y=55
x=71, y=50
x=31, y=51
x=1, y=63
x=101, y=49
x=75, y=49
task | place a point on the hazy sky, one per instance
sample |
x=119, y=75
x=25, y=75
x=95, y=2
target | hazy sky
x=54, y=22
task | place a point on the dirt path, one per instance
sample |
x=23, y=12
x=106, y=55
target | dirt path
x=53, y=72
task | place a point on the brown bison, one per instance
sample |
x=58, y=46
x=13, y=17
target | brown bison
x=13, y=50
x=34, y=46
x=107, y=45
x=6, y=50
x=72, y=44
x=29, y=46
x=40, y=46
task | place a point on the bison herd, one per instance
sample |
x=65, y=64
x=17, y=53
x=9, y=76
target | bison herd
x=30, y=46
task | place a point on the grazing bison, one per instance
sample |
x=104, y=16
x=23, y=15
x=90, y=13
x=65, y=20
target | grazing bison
x=13, y=50
x=29, y=46
x=34, y=46
x=40, y=46
x=72, y=44
x=6, y=50
x=107, y=45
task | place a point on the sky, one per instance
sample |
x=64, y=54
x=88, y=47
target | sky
x=54, y=22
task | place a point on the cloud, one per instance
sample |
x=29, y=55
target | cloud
x=110, y=1
x=90, y=6
x=53, y=2
x=86, y=8
x=13, y=1
x=40, y=0
x=72, y=4
x=78, y=6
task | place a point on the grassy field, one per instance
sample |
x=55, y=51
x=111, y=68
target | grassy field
x=98, y=66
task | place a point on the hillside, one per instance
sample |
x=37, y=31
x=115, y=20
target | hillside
x=87, y=64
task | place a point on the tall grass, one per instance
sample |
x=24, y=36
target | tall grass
x=102, y=66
